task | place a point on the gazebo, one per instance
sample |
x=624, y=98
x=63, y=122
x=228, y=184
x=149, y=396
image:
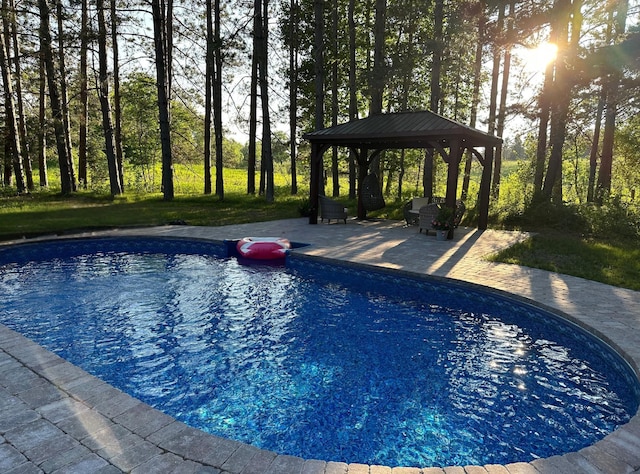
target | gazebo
x=422, y=130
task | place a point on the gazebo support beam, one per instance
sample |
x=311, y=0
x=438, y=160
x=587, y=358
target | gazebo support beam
x=317, y=151
x=453, y=169
x=485, y=189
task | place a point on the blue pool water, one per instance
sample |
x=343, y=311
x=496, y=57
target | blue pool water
x=321, y=361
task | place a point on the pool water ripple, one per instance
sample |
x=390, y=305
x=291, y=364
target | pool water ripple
x=320, y=361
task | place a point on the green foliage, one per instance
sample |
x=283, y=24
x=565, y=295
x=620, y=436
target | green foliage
x=626, y=166
x=444, y=219
x=141, y=140
x=614, y=219
x=304, y=209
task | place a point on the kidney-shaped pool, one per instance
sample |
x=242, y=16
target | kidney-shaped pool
x=317, y=360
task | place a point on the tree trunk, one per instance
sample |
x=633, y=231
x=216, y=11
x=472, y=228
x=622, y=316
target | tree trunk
x=117, y=107
x=407, y=80
x=353, y=98
x=253, y=100
x=567, y=14
x=163, y=59
x=435, y=93
x=208, y=89
x=293, y=92
x=334, y=95
x=378, y=74
x=267, y=155
x=502, y=109
x=318, y=57
x=64, y=160
x=64, y=96
x=105, y=106
x=22, y=127
x=217, y=101
x=84, y=96
x=42, y=123
x=595, y=146
x=603, y=188
x=475, y=97
x=12, y=133
x=7, y=165
x=436, y=68
x=544, y=104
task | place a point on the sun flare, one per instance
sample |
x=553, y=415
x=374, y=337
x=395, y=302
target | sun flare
x=537, y=58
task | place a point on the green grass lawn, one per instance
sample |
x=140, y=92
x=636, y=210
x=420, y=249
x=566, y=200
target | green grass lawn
x=47, y=213
x=614, y=262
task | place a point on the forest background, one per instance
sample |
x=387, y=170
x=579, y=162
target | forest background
x=136, y=96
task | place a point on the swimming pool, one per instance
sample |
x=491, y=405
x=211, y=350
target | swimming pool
x=321, y=363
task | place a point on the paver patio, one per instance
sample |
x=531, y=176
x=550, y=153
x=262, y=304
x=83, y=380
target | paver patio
x=55, y=417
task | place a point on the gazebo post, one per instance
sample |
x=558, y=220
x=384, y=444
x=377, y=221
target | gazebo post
x=317, y=151
x=453, y=170
x=363, y=168
x=485, y=189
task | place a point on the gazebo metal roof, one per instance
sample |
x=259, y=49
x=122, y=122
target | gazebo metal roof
x=402, y=130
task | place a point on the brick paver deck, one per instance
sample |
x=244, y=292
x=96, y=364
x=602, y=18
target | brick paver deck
x=55, y=417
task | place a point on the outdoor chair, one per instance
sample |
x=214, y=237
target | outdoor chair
x=411, y=210
x=330, y=209
x=426, y=216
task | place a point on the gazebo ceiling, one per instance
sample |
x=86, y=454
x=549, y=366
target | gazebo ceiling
x=420, y=129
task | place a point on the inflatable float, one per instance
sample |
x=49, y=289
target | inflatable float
x=263, y=248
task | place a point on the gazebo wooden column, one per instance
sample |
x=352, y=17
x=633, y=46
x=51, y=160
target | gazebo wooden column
x=317, y=152
x=485, y=188
x=453, y=170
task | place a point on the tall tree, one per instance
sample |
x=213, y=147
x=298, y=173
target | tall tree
x=294, y=48
x=67, y=183
x=335, y=175
x=105, y=105
x=12, y=135
x=504, y=88
x=84, y=95
x=208, y=94
x=611, y=85
x=162, y=12
x=353, y=93
x=117, y=107
x=42, y=122
x=567, y=24
x=217, y=99
x=253, y=99
x=475, y=95
x=267, y=154
x=22, y=126
x=318, y=61
x=378, y=73
x=64, y=94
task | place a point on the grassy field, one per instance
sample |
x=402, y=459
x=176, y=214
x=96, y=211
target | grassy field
x=561, y=248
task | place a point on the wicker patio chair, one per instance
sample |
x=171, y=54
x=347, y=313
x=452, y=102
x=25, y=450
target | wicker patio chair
x=426, y=216
x=330, y=209
x=411, y=209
